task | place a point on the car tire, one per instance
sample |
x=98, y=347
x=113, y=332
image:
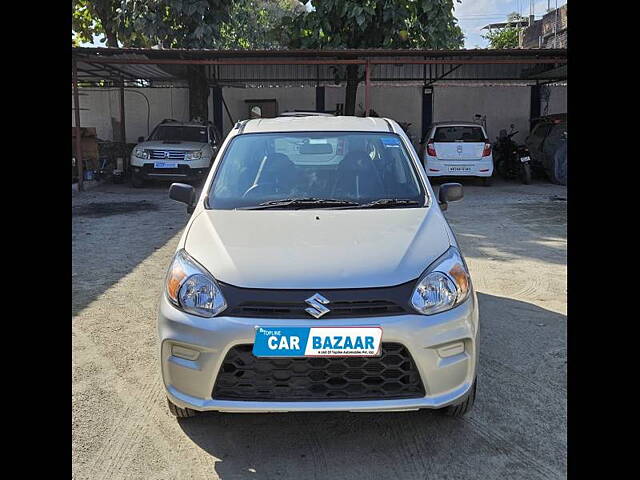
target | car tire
x=526, y=174
x=501, y=168
x=136, y=181
x=464, y=407
x=179, y=412
x=558, y=167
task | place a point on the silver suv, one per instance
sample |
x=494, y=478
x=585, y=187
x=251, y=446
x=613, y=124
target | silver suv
x=175, y=150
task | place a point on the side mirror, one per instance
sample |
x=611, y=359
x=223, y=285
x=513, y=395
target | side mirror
x=140, y=139
x=181, y=192
x=512, y=126
x=449, y=192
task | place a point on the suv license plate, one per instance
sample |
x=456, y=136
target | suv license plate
x=525, y=159
x=165, y=165
x=317, y=342
x=459, y=169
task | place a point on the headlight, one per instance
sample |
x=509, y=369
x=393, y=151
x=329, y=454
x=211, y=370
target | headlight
x=192, y=289
x=141, y=153
x=445, y=284
x=193, y=155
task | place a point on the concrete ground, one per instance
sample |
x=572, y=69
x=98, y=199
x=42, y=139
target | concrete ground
x=514, y=240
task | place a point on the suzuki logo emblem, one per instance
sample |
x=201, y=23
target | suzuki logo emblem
x=459, y=148
x=317, y=305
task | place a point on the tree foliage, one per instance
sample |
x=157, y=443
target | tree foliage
x=235, y=24
x=375, y=24
x=505, y=37
x=342, y=24
x=96, y=17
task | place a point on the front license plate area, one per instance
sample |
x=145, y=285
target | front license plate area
x=317, y=342
x=525, y=159
x=165, y=165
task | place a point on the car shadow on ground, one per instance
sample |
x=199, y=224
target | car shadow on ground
x=114, y=229
x=511, y=227
x=516, y=430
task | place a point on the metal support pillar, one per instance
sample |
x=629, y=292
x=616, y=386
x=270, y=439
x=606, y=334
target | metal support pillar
x=123, y=128
x=76, y=108
x=367, y=85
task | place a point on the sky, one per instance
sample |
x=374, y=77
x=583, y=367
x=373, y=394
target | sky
x=472, y=15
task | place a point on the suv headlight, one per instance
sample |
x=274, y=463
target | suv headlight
x=141, y=153
x=444, y=285
x=189, y=287
x=193, y=155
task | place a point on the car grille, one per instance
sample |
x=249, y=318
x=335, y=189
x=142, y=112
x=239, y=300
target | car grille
x=343, y=302
x=167, y=154
x=339, y=309
x=243, y=376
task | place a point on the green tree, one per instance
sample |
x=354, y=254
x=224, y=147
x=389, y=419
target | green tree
x=507, y=36
x=182, y=24
x=95, y=17
x=340, y=24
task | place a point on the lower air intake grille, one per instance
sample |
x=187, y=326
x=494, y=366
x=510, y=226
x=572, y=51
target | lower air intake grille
x=393, y=375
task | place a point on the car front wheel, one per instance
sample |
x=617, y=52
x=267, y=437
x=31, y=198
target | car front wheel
x=179, y=412
x=463, y=407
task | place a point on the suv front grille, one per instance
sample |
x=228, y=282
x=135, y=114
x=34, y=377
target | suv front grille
x=243, y=376
x=167, y=154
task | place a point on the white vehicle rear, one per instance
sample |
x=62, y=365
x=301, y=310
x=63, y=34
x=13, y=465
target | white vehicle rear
x=458, y=149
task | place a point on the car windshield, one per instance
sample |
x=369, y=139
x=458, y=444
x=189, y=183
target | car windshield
x=175, y=133
x=323, y=169
x=459, y=133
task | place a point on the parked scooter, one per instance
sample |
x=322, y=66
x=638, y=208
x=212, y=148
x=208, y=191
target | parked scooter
x=405, y=126
x=511, y=160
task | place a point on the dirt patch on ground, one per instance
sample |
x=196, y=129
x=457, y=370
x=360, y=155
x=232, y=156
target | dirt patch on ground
x=105, y=209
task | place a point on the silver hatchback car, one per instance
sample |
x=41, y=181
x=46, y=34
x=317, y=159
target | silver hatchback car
x=317, y=272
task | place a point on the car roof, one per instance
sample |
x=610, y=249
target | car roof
x=305, y=114
x=460, y=124
x=318, y=123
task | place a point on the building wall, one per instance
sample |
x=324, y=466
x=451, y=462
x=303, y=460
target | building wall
x=288, y=98
x=557, y=102
x=548, y=32
x=103, y=105
x=502, y=105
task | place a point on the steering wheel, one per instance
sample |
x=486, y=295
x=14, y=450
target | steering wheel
x=256, y=187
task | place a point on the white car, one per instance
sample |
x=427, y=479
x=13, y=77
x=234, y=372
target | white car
x=174, y=151
x=458, y=149
x=318, y=272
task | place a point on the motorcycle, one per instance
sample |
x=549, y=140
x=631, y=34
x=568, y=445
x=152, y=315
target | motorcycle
x=511, y=160
x=405, y=126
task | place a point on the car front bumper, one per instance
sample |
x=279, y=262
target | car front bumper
x=183, y=172
x=446, y=378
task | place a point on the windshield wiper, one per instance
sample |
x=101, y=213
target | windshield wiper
x=309, y=202
x=387, y=203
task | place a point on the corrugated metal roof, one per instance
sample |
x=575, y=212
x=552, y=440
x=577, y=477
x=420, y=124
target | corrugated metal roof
x=91, y=71
x=288, y=67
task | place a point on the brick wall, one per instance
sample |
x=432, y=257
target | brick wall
x=541, y=33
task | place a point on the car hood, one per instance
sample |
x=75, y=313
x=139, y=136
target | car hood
x=160, y=145
x=317, y=249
